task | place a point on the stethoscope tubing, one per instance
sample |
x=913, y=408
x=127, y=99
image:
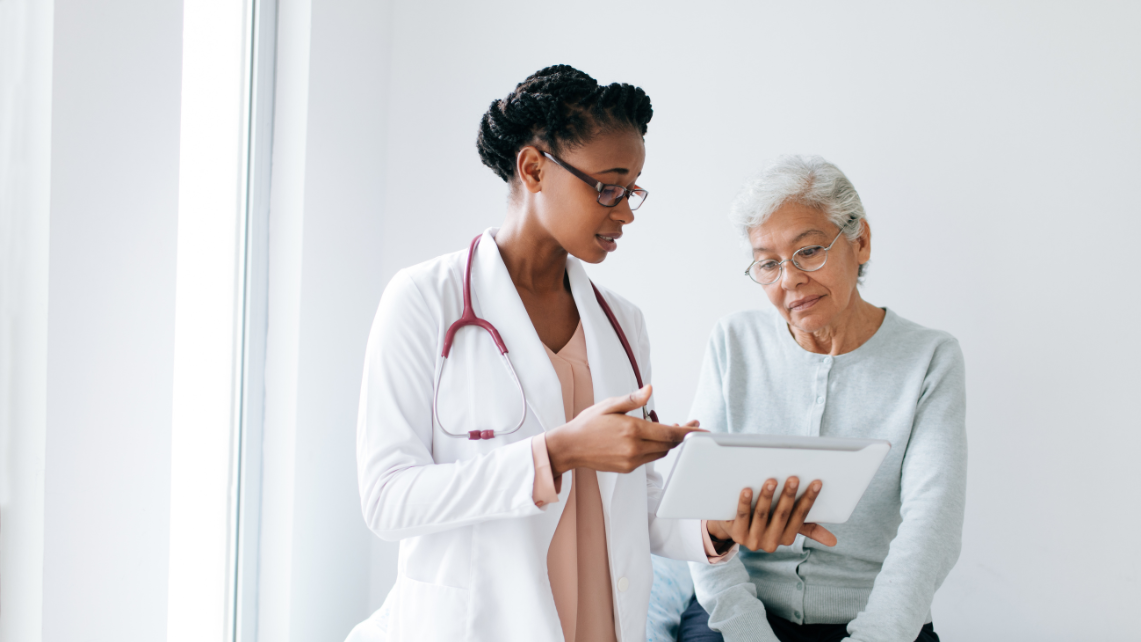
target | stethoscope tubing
x=475, y=435
x=469, y=318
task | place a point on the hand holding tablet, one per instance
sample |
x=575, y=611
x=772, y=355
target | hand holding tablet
x=713, y=468
x=765, y=527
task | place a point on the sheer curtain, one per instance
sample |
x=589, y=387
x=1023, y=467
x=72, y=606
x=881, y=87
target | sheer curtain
x=25, y=138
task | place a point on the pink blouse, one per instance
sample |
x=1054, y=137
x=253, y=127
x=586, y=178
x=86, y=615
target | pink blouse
x=577, y=562
x=578, y=565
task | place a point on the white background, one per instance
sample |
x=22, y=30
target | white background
x=995, y=147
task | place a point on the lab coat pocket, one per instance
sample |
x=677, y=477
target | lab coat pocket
x=429, y=612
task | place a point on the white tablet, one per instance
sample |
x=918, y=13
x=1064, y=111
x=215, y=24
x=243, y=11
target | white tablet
x=713, y=468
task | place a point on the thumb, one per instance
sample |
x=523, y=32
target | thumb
x=818, y=533
x=632, y=401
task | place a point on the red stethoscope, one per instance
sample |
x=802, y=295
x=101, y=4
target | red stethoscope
x=469, y=318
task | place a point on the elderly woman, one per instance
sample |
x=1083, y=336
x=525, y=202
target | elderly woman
x=823, y=361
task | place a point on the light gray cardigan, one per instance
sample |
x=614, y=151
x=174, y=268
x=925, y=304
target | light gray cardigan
x=905, y=385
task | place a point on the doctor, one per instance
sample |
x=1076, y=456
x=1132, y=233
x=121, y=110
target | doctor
x=524, y=509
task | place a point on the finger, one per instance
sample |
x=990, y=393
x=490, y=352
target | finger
x=647, y=446
x=623, y=405
x=656, y=447
x=818, y=533
x=647, y=451
x=740, y=530
x=779, y=516
x=651, y=431
x=800, y=512
x=761, y=514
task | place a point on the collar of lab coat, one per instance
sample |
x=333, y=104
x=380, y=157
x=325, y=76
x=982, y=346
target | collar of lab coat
x=610, y=369
x=496, y=299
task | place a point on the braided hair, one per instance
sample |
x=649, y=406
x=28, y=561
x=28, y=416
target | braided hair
x=561, y=107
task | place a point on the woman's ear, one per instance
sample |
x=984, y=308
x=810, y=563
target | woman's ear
x=528, y=168
x=864, y=243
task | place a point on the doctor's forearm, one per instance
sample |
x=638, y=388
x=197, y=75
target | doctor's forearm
x=561, y=451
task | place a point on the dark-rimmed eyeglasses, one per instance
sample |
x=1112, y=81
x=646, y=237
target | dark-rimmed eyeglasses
x=806, y=259
x=608, y=195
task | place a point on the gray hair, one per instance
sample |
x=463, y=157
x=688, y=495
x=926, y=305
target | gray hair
x=809, y=180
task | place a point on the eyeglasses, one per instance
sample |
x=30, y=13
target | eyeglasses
x=608, y=195
x=806, y=259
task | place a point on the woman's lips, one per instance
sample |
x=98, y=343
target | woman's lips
x=800, y=305
x=608, y=243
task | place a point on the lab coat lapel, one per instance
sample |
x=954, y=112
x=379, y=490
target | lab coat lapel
x=495, y=299
x=610, y=369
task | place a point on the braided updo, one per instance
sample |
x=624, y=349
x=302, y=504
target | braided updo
x=559, y=106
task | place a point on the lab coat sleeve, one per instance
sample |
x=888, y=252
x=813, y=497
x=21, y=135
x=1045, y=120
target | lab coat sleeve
x=680, y=539
x=404, y=492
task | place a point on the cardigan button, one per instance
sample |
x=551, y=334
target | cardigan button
x=623, y=584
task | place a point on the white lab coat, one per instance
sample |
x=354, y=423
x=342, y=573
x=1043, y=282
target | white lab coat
x=473, y=545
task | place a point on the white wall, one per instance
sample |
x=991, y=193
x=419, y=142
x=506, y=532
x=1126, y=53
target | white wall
x=995, y=150
x=110, y=350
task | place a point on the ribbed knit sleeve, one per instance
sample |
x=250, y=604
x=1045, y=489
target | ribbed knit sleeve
x=933, y=488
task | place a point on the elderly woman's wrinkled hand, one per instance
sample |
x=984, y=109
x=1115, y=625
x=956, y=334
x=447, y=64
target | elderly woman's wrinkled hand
x=761, y=529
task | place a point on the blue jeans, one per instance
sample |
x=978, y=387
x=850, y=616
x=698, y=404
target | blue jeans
x=694, y=627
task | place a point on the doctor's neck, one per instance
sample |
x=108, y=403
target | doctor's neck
x=534, y=259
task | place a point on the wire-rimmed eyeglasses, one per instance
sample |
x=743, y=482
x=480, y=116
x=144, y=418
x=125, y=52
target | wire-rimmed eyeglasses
x=608, y=195
x=806, y=259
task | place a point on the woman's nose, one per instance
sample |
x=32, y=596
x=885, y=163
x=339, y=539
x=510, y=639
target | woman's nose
x=622, y=212
x=791, y=276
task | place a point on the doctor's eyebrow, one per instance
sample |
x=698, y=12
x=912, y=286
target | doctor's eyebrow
x=623, y=171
